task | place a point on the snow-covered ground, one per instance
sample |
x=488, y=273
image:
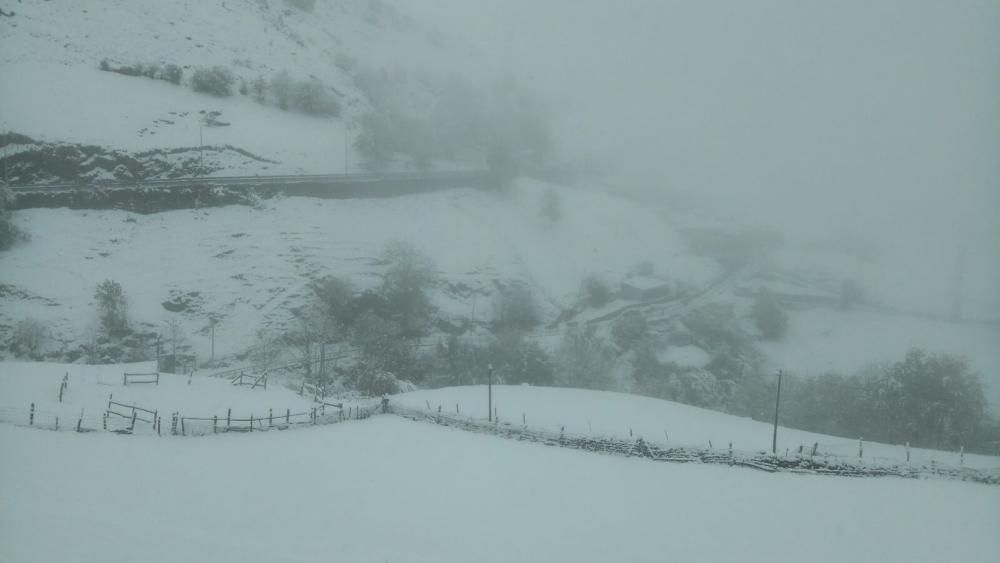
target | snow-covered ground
x=90, y=387
x=250, y=266
x=605, y=413
x=392, y=490
x=51, y=87
x=107, y=109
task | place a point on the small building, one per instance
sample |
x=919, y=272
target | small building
x=644, y=288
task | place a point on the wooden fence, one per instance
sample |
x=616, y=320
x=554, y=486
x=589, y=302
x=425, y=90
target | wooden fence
x=250, y=381
x=134, y=378
x=132, y=414
x=801, y=462
x=322, y=413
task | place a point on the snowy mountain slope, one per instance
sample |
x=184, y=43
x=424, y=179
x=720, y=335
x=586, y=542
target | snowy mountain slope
x=251, y=267
x=602, y=413
x=52, y=89
x=386, y=489
x=139, y=114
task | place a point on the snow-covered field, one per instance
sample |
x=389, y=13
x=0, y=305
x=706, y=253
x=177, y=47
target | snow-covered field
x=89, y=389
x=604, y=413
x=392, y=490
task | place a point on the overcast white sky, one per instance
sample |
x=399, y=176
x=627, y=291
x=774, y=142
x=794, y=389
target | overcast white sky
x=864, y=116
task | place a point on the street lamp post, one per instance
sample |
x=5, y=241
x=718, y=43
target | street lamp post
x=777, y=401
x=489, y=388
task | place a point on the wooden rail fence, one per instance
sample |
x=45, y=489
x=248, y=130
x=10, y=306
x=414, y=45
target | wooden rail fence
x=134, y=378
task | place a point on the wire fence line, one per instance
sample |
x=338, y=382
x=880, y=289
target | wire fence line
x=804, y=461
x=807, y=461
x=138, y=421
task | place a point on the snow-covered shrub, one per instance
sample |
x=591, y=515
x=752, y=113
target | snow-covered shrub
x=216, y=80
x=172, y=74
x=28, y=337
x=375, y=382
x=311, y=97
x=583, y=359
x=630, y=331
x=113, y=308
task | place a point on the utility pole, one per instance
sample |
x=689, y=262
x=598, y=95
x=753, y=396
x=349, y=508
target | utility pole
x=214, y=321
x=777, y=401
x=201, y=146
x=489, y=387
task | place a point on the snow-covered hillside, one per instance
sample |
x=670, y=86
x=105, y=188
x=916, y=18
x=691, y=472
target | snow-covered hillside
x=51, y=87
x=602, y=413
x=249, y=267
x=387, y=489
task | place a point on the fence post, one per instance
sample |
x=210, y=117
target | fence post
x=270, y=417
x=105, y=421
x=131, y=428
x=816, y=446
x=314, y=415
x=730, y=449
x=288, y=414
x=229, y=418
x=456, y=409
x=31, y=415
x=251, y=422
x=524, y=419
x=861, y=447
x=124, y=379
x=183, y=430
x=57, y=423
x=110, y=395
x=215, y=424
x=79, y=421
x=159, y=422
x=961, y=455
x=428, y=404
x=907, y=452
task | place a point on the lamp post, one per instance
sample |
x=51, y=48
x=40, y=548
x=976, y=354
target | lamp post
x=489, y=387
x=777, y=401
